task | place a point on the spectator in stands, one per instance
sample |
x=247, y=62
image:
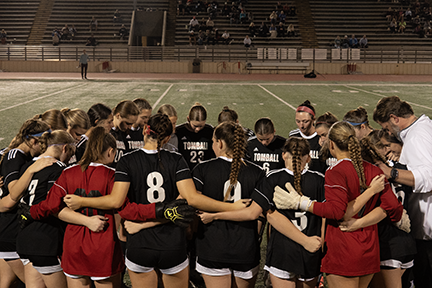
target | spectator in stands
x=91, y=41
x=353, y=42
x=208, y=38
x=427, y=28
x=393, y=25
x=273, y=17
x=242, y=17
x=419, y=31
x=291, y=31
x=3, y=37
x=203, y=24
x=408, y=14
x=210, y=24
x=402, y=26
x=252, y=30
x=337, y=42
x=65, y=32
x=279, y=6
x=226, y=10
x=389, y=14
x=189, y=6
x=117, y=17
x=280, y=30
x=180, y=8
x=194, y=24
x=285, y=9
x=263, y=30
x=273, y=31
x=72, y=31
x=93, y=25
x=247, y=42
x=345, y=42
x=282, y=17
x=234, y=15
x=216, y=36
x=226, y=38
x=363, y=42
x=55, y=37
x=250, y=17
x=293, y=9
x=123, y=32
x=192, y=38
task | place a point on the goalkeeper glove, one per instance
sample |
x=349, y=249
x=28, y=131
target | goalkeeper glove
x=177, y=211
x=24, y=216
x=290, y=200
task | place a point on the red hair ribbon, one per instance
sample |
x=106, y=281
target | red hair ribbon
x=305, y=109
x=148, y=130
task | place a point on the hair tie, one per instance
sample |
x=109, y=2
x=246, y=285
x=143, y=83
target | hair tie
x=38, y=134
x=354, y=123
x=350, y=136
x=148, y=130
x=305, y=109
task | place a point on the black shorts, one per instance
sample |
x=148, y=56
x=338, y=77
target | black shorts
x=144, y=260
x=44, y=264
x=8, y=251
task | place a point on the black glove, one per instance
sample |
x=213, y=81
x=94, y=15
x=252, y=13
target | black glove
x=24, y=216
x=177, y=211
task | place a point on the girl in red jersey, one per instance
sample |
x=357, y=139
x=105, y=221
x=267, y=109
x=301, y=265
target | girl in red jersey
x=352, y=258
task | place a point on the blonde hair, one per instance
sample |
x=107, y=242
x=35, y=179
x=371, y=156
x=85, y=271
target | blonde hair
x=57, y=137
x=297, y=147
x=77, y=118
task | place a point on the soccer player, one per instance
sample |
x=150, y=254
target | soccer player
x=125, y=115
x=195, y=137
x=265, y=149
x=78, y=122
x=23, y=147
x=152, y=175
x=54, y=118
x=292, y=256
x=359, y=119
x=305, y=121
x=351, y=258
x=228, y=178
x=136, y=138
x=170, y=111
x=228, y=114
x=322, y=126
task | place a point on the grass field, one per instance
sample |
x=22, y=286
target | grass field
x=21, y=99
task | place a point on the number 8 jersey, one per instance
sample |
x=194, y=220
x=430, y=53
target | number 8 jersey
x=153, y=179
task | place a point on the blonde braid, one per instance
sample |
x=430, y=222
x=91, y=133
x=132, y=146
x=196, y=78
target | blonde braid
x=369, y=151
x=238, y=153
x=355, y=155
x=296, y=162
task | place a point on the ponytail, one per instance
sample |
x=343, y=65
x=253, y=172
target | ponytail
x=99, y=141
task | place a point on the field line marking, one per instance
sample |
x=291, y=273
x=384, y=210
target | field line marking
x=35, y=99
x=381, y=95
x=277, y=97
x=163, y=95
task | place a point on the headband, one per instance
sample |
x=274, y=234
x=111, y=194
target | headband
x=355, y=124
x=38, y=134
x=305, y=109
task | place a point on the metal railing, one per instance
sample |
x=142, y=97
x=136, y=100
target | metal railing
x=215, y=54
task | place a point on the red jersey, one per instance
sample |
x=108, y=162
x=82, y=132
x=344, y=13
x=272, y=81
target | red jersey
x=85, y=252
x=352, y=253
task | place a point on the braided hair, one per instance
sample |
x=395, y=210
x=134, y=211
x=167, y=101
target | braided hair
x=159, y=127
x=297, y=147
x=369, y=149
x=234, y=137
x=343, y=135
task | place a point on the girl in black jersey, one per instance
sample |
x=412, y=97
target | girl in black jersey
x=195, y=137
x=24, y=146
x=40, y=243
x=54, y=118
x=99, y=115
x=228, y=114
x=358, y=118
x=125, y=115
x=265, y=149
x=322, y=127
x=78, y=122
x=305, y=121
x=136, y=139
x=150, y=175
x=292, y=257
x=170, y=111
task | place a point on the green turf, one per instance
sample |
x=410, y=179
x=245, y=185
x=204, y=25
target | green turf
x=20, y=100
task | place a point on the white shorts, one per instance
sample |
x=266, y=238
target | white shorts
x=226, y=271
x=9, y=255
x=397, y=264
x=91, y=277
x=142, y=269
x=285, y=274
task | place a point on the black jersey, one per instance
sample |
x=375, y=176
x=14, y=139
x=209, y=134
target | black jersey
x=11, y=166
x=316, y=164
x=396, y=244
x=135, y=139
x=195, y=147
x=153, y=180
x=43, y=237
x=227, y=241
x=80, y=149
x=268, y=157
x=282, y=252
x=125, y=143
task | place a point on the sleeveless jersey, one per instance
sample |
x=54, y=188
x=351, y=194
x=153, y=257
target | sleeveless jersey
x=316, y=163
x=195, y=147
x=44, y=237
x=268, y=157
x=227, y=241
x=85, y=252
x=11, y=166
x=154, y=180
x=282, y=252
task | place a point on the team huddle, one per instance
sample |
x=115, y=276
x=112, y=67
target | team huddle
x=86, y=195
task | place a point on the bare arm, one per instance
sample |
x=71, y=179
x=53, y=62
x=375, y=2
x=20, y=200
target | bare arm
x=249, y=213
x=6, y=204
x=188, y=191
x=95, y=223
x=371, y=218
x=405, y=177
x=134, y=227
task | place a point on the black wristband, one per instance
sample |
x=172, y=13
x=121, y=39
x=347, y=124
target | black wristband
x=394, y=173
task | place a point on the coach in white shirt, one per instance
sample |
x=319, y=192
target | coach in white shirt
x=397, y=117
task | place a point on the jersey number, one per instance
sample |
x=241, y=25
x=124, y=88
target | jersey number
x=31, y=191
x=155, y=193
x=196, y=156
x=119, y=154
x=300, y=220
x=266, y=167
x=398, y=191
x=235, y=193
x=93, y=193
